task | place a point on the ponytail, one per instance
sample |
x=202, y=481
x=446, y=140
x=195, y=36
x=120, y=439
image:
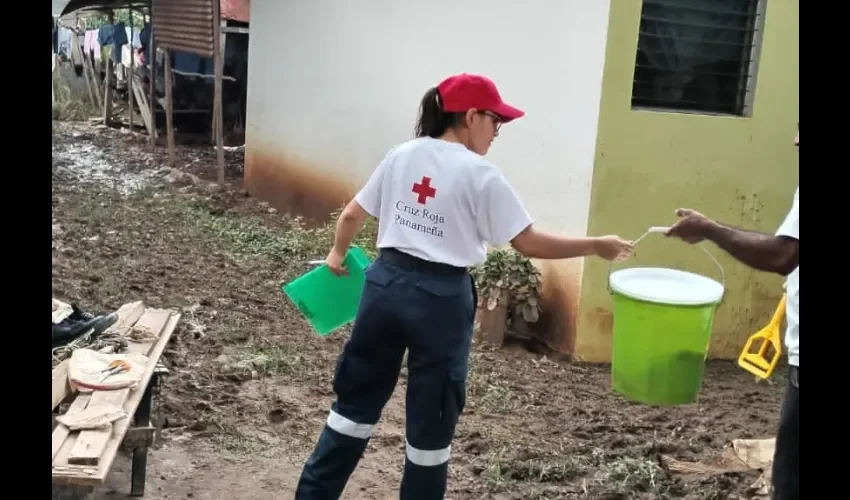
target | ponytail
x=433, y=121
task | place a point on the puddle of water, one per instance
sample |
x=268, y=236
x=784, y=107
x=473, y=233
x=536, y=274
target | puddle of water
x=87, y=163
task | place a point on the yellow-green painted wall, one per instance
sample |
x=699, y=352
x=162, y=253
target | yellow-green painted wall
x=738, y=170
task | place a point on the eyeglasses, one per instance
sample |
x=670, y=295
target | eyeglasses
x=497, y=120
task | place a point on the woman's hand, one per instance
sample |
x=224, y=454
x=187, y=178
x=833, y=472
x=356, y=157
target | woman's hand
x=613, y=248
x=335, y=261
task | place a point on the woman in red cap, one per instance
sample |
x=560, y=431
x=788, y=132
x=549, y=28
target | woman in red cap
x=440, y=203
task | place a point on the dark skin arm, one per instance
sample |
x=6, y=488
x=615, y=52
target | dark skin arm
x=765, y=252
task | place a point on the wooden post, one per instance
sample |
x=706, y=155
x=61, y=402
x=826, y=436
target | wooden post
x=169, y=108
x=152, y=63
x=132, y=64
x=107, y=90
x=218, y=57
x=223, y=46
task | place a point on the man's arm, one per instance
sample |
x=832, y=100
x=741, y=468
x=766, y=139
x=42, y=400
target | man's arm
x=778, y=253
x=765, y=252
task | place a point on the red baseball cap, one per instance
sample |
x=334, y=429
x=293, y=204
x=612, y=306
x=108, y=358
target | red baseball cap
x=459, y=93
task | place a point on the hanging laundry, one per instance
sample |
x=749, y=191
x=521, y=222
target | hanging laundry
x=64, y=41
x=119, y=34
x=145, y=39
x=55, y=36
x=92, y=45
x=114, y=35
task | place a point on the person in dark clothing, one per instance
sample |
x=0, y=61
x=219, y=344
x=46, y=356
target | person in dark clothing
x=777, y=253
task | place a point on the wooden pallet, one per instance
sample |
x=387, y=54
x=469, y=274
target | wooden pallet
x=83, y=458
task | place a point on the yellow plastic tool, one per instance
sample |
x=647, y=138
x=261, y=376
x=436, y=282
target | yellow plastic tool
x=768, y=337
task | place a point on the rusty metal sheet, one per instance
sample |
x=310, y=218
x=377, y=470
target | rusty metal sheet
x=236, y=10
x=184, y=25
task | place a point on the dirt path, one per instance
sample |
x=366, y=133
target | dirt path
x=250, y=385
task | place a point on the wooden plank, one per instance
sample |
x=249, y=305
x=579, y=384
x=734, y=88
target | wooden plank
x=144, y=106
x=218, y=113
x=152, y=87
x=130, y=95
x=60, y=433
x=91, y=442
x=61, y=387
x=128, y=315
x=83, y=475
x=136, y=398
x=75, y=48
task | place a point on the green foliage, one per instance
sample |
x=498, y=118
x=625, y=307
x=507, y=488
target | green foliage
x=294, y=242
x=509, y=276
x=96, y=20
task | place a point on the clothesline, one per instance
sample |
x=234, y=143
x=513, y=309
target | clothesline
x=187, y=73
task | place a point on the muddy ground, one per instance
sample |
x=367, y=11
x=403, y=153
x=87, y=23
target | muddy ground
x=250, y=384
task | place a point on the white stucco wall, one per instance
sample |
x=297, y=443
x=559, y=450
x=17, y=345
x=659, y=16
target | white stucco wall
x=334, y=84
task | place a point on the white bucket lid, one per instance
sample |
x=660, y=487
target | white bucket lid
x=666, y=286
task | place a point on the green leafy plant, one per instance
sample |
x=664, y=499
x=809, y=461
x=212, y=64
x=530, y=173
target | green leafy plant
x=510, y=279
x=295, y=241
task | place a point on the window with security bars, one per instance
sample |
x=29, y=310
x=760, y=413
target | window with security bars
x=697, y=55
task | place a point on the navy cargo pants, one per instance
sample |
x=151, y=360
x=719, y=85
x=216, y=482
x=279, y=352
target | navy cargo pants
x=408, y=304
x=786, y=458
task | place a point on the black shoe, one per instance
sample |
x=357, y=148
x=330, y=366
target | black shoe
x=80, y=315
x=102, y=323
x=69, y=330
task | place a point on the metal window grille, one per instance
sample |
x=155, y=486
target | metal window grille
x=697, y=56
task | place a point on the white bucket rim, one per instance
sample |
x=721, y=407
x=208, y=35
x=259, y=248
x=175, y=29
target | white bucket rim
x=703, y=291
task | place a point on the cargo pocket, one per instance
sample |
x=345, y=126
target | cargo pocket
x=341, y=378
x=454, y=401
x=359, y=379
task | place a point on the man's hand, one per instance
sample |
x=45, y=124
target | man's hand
x=335, y=261
x=691, y=227
x=613, y=248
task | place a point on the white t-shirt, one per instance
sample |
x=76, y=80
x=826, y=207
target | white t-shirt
x=791, y=228
x=439, y=201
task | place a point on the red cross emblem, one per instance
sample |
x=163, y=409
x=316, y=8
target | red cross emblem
x=424, y=190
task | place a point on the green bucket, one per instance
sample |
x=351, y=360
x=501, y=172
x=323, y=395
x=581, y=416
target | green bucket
x=328, y=301
x=662, y=327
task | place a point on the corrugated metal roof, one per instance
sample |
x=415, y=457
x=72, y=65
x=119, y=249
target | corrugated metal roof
x=184, y=25
x=236, y=10
x=74, y=5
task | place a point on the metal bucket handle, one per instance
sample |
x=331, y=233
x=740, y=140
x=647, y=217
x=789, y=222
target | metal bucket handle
x=663, y=229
